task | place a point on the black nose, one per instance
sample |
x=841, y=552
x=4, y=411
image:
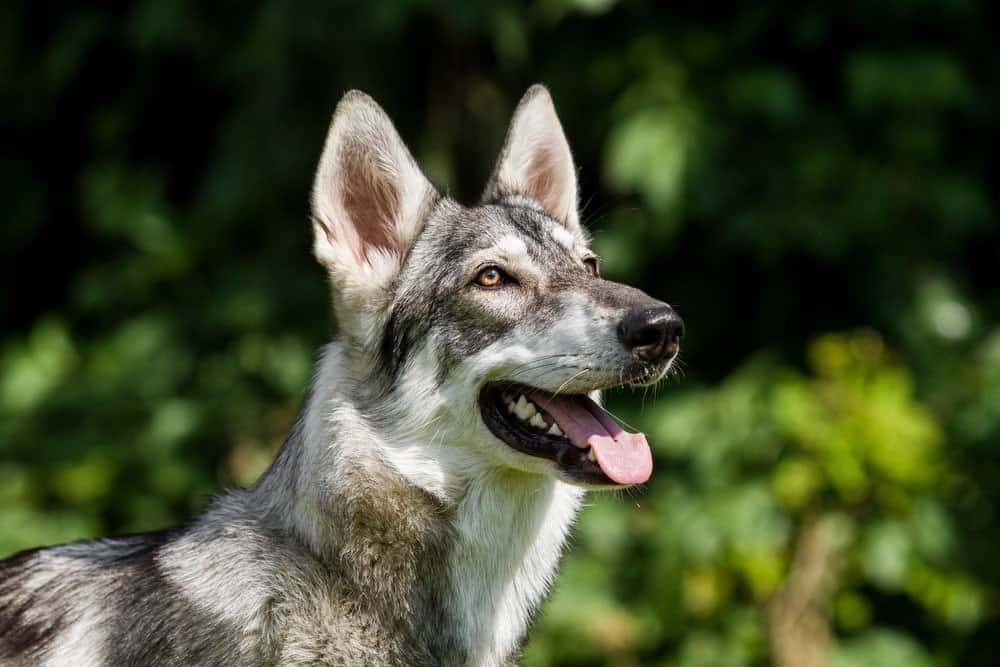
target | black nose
x=651, y=333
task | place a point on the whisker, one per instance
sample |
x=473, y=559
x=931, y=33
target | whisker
x=548, y=372
x=544, y=369
x=575, y=376
x=620, y=419
x=549, y=358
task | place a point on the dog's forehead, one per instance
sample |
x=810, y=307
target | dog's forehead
x=513, y=230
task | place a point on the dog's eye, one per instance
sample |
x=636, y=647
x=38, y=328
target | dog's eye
x=491, y=277
x=593, y=265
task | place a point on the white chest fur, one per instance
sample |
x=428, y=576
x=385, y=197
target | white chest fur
x=511, y=528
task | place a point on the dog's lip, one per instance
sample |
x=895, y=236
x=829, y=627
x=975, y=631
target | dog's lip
x=595, y=450
x=644, y=375
x=647, y=375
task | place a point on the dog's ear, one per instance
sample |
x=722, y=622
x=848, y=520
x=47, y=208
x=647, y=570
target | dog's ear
x=369, y=199
x=535, y=160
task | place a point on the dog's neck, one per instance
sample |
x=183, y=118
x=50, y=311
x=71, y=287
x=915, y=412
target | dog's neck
x=463, y=555
x=510, y=534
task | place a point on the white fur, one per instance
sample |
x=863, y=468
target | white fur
x=564, y=236
x=524, y=202
x=206, y=579
x=82, y=644
x=511, y=246
x=422, y=449
x=511, y=532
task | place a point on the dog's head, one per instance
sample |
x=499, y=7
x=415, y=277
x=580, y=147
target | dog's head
x=486, y=328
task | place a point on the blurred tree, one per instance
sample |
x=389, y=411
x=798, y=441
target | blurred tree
x=778, y=171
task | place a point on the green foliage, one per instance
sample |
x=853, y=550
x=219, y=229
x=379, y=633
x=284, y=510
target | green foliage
x=741, y=467
x=811, y=185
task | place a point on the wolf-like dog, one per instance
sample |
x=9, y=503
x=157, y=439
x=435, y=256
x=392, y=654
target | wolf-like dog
x=417, y=511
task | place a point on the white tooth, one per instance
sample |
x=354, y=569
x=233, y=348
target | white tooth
x=554, y=429
x=591, y=455
x=537, y=421
x=521, y=409
x=510, y=406
x=531, y=410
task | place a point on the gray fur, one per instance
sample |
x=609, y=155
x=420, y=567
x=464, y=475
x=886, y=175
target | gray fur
x=392, y=528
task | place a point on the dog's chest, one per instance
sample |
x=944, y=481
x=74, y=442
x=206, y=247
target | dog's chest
x=469, y=603
x=509, y=539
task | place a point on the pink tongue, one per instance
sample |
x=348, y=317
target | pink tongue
x=624, y=457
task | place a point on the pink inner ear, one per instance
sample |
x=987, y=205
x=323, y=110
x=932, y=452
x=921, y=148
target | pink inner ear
x=371, y=202
x=545, y=182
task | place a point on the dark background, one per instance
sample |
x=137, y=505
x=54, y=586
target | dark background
x=813, y=187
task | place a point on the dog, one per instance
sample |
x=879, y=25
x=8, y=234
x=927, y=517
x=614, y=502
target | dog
x=417, y=511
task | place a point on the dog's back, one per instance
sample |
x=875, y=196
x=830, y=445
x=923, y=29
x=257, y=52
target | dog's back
x=121, y=601
x=227, y=590
x=87, y=602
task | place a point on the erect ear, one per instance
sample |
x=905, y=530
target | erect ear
x=369, y=198
x=535, y=160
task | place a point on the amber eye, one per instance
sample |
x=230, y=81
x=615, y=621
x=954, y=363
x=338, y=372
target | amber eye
x=593, y=265
x=491, y=276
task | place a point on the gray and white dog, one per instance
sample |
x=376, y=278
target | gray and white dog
x=418, y=509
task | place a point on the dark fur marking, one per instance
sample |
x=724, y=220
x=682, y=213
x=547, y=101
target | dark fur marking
x=20, y=637
x=155, y=625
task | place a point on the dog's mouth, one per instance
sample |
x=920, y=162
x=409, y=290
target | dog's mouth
x=584, y=441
